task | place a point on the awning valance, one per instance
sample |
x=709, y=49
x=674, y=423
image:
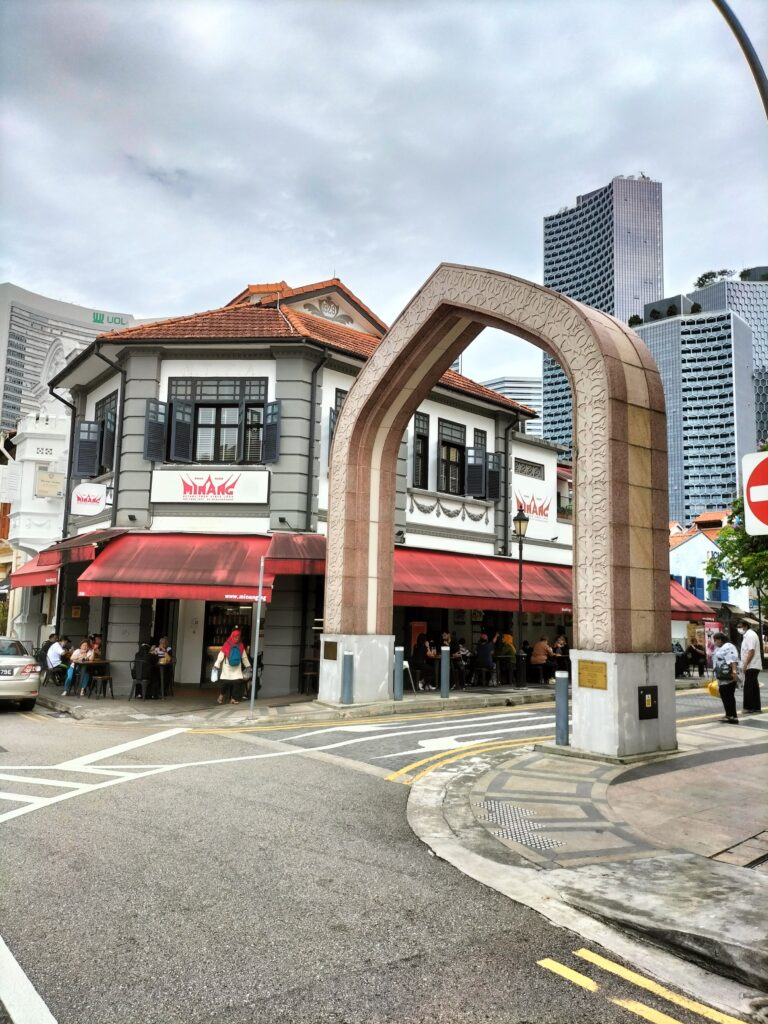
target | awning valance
x=297, y=554
x=32, y=574
x=195, y=567
x=81, y=548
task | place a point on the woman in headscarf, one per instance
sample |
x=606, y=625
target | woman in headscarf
x=230, y=663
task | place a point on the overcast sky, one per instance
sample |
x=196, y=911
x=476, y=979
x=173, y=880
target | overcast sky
x=157, y=157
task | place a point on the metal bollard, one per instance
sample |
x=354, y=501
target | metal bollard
x=562, y=738
x=347, y=669
x=445, y=672
x=399, y=658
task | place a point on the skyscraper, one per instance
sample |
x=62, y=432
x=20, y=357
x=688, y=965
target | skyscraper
x=527, y=391
x=606, y=251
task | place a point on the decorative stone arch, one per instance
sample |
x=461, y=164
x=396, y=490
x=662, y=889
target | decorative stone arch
x=621, y=532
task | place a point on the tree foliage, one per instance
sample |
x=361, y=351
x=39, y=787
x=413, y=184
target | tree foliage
x=634, y=320
x=710, y=276
x=741, y=559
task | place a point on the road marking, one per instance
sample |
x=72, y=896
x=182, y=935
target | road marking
x=37, y=719
x=19, y=995
x=655, y=988
x=485, y=748
x=565, y=972
x=469, y=748
x=41, y=782
x=101, y=755
x=22, y=799
x=457, y=741
x=641, y=1010
x=700, y=718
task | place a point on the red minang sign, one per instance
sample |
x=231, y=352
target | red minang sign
x=88, y=499
x=534, y=508
x=210, y=487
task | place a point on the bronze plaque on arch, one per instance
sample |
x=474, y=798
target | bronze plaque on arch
x=593, y=675
x=330, y=650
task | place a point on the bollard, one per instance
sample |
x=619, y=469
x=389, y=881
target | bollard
x=347, y=668
x=445, y=671
x=399, y=658
x=561, y=709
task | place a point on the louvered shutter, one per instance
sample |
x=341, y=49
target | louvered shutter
x=271, y=443
x=333, y=415
x=493, y=476
x=85, y=462
x=182, y=430
x=475, y=472
x=107, y=456
x=155, y=425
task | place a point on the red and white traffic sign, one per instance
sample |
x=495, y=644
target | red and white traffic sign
x=754, y=469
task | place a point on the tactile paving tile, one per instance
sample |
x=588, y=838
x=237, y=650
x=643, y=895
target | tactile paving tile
x=515, y=823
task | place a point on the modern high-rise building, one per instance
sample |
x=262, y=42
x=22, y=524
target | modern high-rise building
x=37, y=337
x=527, y=391
x=705, y=361
x=711, y=346
x=606, y=251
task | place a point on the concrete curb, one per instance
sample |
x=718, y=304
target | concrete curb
x=532, y=888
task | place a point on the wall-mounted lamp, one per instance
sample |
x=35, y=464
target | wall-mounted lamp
x=399, y=536
x=131, y=517
x=284, y=522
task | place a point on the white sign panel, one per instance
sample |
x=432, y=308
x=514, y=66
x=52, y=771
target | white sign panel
x=49, y=485
x=88, y=499
x=196, y=487
x=754, y=473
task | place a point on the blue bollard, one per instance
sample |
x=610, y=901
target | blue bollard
x=399, y=658
x=562, y=738
x=347, y=669
x=445, y=672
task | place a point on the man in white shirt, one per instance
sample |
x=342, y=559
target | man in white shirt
x=54, y=656
x=751, y=664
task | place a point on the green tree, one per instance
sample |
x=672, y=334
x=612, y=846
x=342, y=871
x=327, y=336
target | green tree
x=655, y=314
x=741, y=559
x=635, y=320
x=672, y=309
x=696, y=307
x=710, y=276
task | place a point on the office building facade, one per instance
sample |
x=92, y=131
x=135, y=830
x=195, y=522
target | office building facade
x=525, y=390
x=37, y=337
x=606, y=251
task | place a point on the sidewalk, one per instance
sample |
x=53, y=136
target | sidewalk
x=672, y=851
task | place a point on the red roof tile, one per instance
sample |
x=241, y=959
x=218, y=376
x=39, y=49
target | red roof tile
x=270, y=293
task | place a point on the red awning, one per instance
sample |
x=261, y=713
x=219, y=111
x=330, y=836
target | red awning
x=195, y=567
x=78, y=549
x=32, y=574
x=441, y=579
x=685, y=605
x=297, y=554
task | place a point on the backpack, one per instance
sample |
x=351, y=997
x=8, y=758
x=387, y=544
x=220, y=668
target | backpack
x=234, y=656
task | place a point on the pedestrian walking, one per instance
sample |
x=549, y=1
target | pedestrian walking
x=229, y=668
x=725, y=661
x=751, y=664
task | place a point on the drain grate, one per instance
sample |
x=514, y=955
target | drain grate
x=515, y=823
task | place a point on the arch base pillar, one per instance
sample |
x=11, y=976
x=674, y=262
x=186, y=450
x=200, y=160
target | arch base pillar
x=607, y=720
x=373, y=659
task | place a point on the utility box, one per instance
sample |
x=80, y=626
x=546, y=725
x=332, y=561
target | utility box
x=648, y=701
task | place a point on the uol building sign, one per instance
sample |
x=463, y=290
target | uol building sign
x=210, y=487
x=110, y=318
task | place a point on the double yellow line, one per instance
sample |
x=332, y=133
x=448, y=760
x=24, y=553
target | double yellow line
x=435, y=761
x=633, y=1006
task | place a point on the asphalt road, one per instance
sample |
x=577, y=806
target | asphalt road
x=204, y=877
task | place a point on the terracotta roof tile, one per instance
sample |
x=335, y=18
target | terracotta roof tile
x=270, y=293
x=721, y=515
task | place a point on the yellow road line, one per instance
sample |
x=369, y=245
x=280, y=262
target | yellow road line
x=701, y=718
x=406, y=770
x=480, y=749
x=31, y=718
x=655, y=988
x=646, y=1012
x=565, y=972
x=382, y=720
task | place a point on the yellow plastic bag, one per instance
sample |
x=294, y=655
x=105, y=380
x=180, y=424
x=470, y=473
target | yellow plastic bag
x=713, y=688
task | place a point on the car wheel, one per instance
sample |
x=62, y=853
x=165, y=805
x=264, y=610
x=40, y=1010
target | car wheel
x=27, y=705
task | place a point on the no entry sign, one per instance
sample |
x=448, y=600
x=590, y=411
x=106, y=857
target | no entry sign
x=754, y=470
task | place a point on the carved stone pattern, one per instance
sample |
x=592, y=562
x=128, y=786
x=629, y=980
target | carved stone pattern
x=561, y=328
x=450, y=513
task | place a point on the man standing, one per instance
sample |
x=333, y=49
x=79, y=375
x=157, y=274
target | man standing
x=751, y=663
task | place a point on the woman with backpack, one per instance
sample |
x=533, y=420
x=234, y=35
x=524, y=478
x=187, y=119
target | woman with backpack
x=229, y=667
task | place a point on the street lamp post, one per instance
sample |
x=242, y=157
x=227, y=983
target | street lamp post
x=520, y=525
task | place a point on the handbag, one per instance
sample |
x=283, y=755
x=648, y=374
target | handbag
x=723, y=673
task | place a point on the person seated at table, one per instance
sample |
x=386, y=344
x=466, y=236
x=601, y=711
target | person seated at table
x=56, y=659
x=484, y=656
x=505, y=658
x=541, y=659
x=96, y=655
x=562, y=653
x=142, y=668
x=82, y=654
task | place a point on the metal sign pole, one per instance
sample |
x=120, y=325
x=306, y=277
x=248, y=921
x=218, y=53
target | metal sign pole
x=255, y=644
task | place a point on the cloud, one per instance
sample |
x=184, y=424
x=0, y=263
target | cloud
x=158, y=156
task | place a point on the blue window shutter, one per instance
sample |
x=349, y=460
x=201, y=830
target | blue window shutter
x=493, y=476
x=155, y=424
x=182, y=430
x=678, y=579
x=85, y=462
x=724, y=590
x=699, y=588
x=271, y=445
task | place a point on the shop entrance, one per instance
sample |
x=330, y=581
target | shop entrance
x=220, y=619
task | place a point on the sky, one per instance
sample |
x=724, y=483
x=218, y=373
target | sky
x=157, y=157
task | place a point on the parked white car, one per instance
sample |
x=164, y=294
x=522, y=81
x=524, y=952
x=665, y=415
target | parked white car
x=19, y=674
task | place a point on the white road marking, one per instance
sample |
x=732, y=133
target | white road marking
x=100, y=755
x=22, y=799
x=462, y=739
x=31, y=781
x=383, y=731
x=19, y=995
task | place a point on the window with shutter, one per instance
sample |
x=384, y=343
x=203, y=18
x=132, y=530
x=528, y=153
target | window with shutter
x=493, y=476
x=182, y=414
x=155, y=426
x=106, y=415
x=476, y=472
x=421, y=450
x=452, y=461
x=219, y=420
x=85, y=462
x=271, y=445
